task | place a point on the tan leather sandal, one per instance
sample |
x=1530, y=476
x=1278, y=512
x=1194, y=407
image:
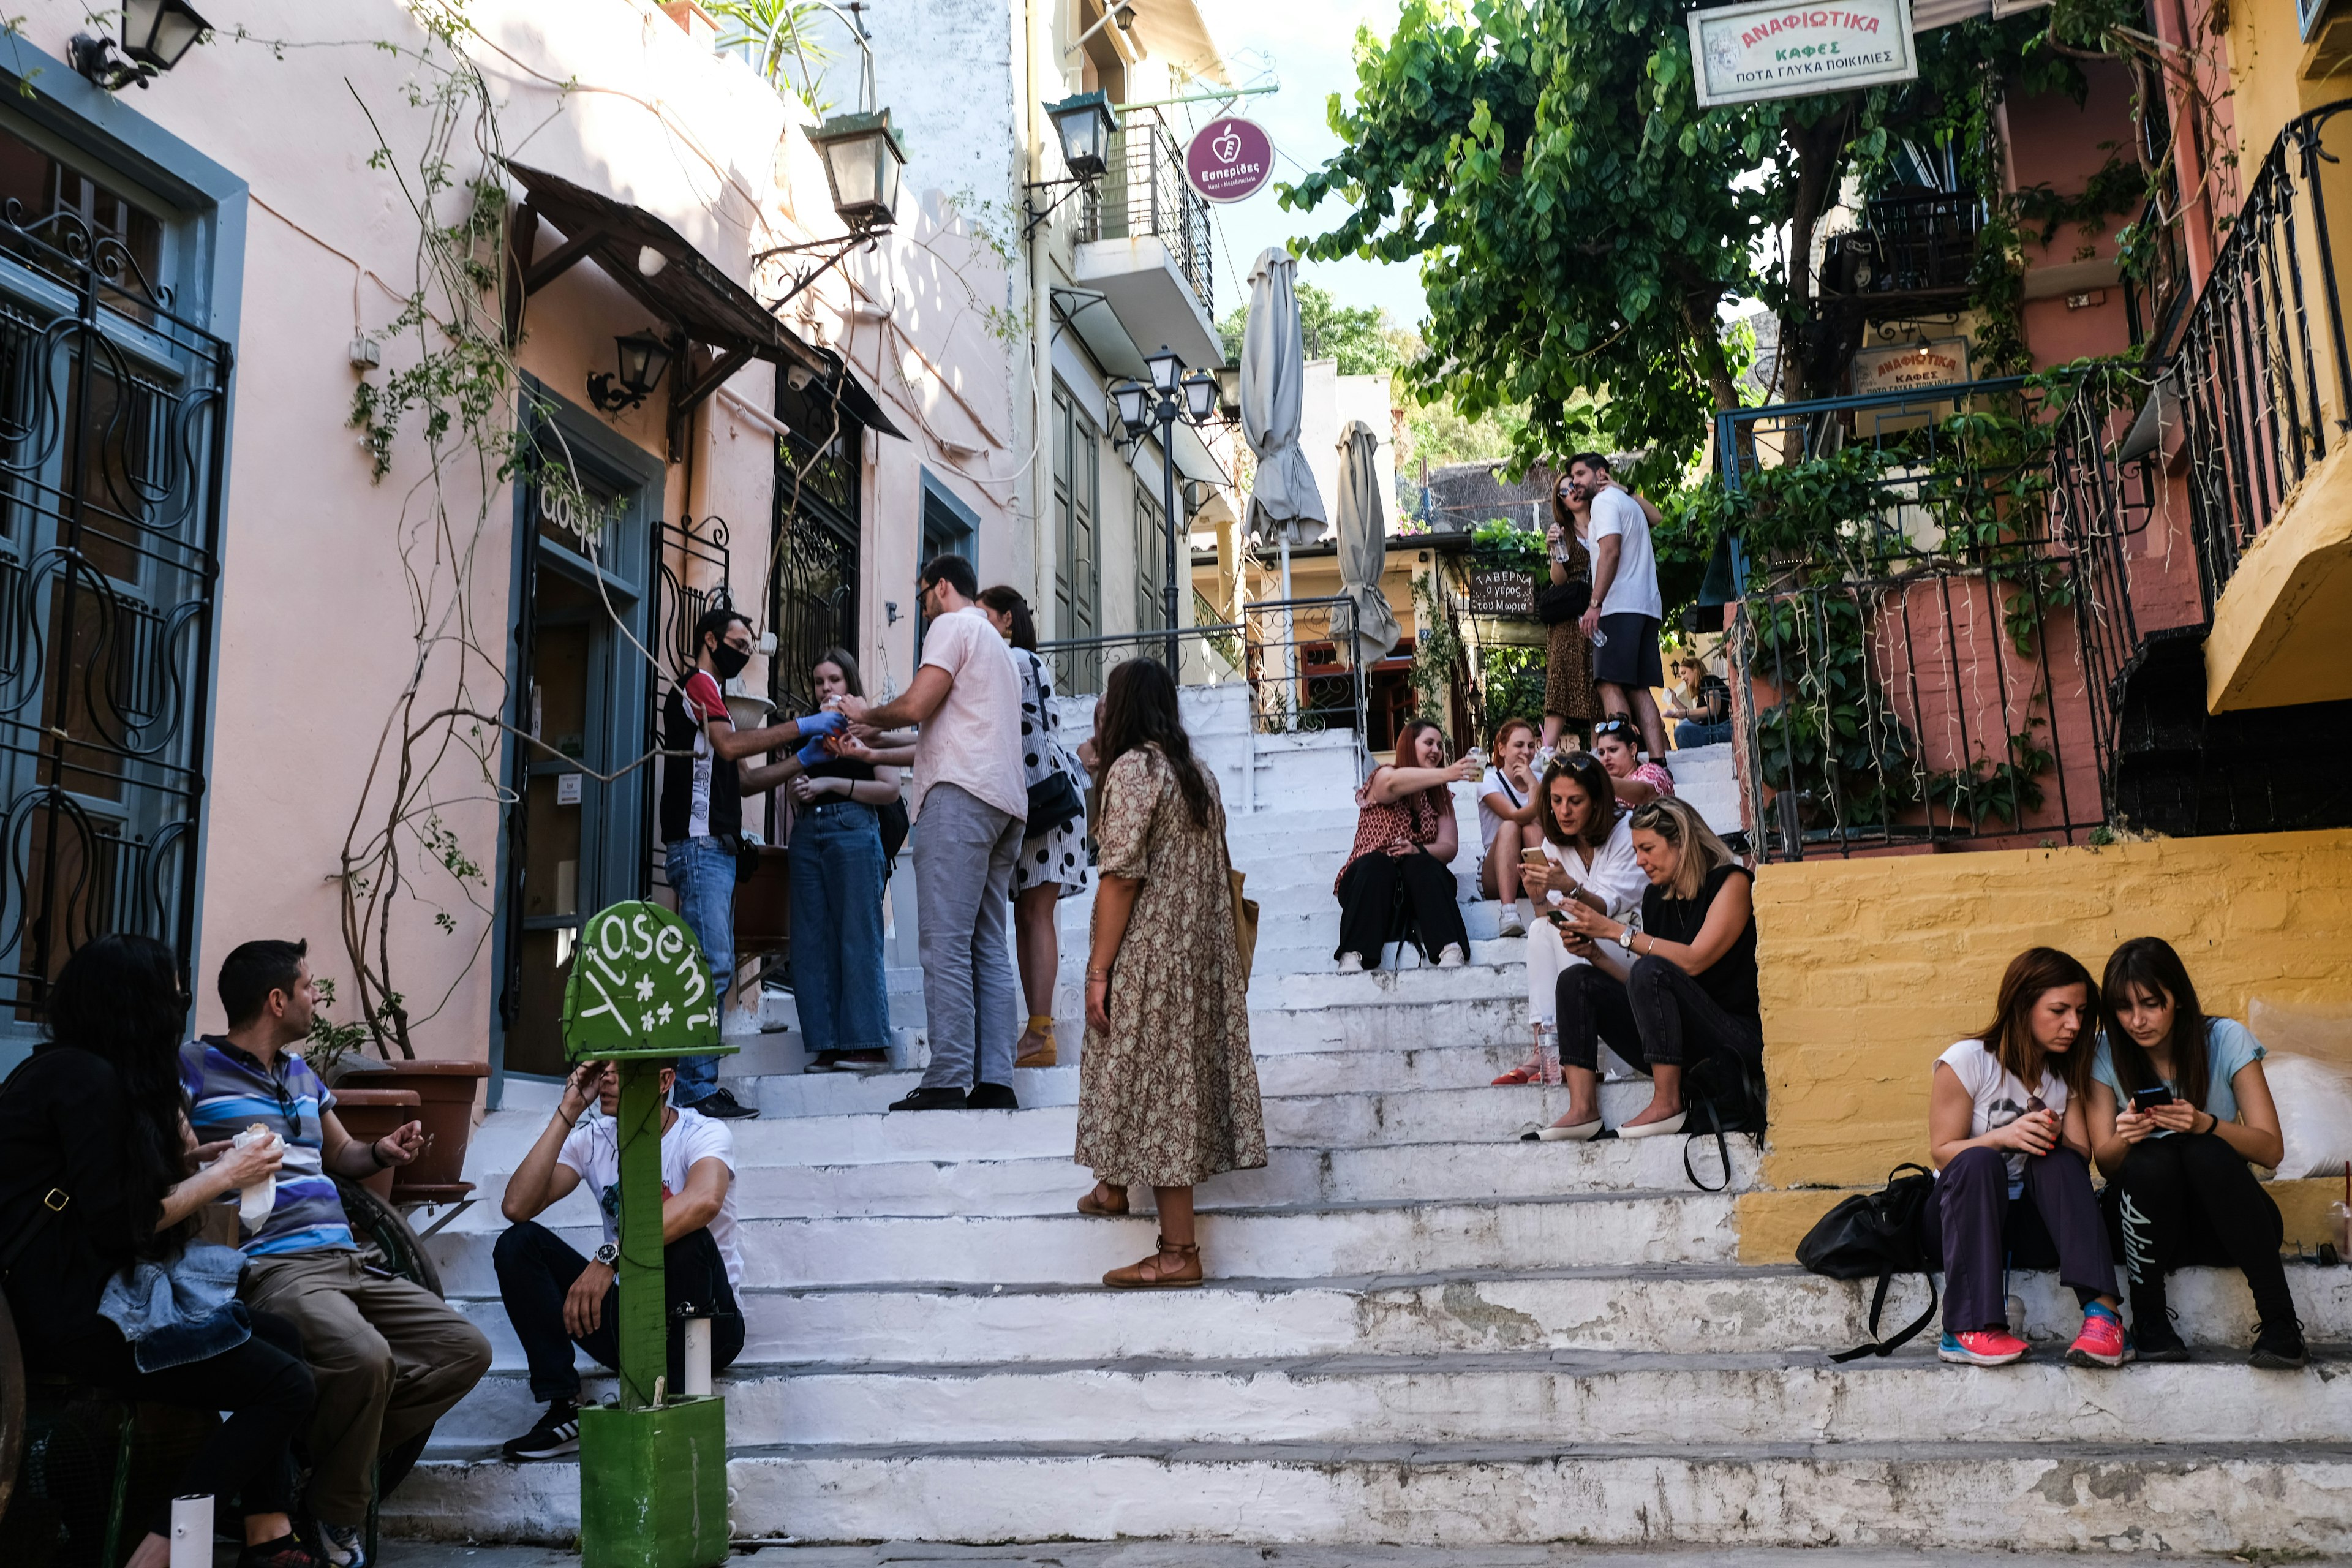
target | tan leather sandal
x=1042, y=1053
x=1090, y=1205
x=1151, y=1275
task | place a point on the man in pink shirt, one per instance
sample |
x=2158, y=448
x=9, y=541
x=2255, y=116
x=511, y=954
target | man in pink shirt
x=970, y=805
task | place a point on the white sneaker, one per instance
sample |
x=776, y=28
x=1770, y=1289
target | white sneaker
x=1352, y=964
x=1451, y=957
x=1509, y=924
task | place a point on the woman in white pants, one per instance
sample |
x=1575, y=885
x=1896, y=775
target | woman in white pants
x=1587, y=854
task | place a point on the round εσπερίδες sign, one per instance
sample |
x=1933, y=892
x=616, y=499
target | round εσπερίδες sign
x=640, y=987
x=1229, y=159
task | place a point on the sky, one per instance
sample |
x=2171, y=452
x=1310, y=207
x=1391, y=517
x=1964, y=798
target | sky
x=1309, y=45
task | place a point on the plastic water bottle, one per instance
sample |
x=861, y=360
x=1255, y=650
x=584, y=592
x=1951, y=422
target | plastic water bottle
x=2013, y=1309
x=1547, y=1051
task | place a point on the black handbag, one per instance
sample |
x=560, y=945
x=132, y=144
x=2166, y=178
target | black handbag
x=1054, y=802
x=1565, y=601
x=891, y=819
x=1878, y=1233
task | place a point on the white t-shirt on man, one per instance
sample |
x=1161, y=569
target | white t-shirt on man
x=2000, y=1098
x=592, y=1149
x=1634, y=590
x=973, y=740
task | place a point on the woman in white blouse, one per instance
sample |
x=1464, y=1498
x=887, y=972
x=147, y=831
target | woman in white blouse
x=1586, y=853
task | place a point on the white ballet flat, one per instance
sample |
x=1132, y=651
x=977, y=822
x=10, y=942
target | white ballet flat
x=1656, y=1128
x=1352, y=964
x=1582, y=1133
x=1453, y=957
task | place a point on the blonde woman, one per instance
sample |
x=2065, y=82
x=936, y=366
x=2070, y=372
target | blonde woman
x=1679, y=985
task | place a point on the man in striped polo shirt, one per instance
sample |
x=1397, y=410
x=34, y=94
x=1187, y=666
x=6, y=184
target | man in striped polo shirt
x=389, y=1357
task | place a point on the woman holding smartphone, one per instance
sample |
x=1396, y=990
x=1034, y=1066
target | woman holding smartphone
x=1507, y=807
x=2179, y=1110
x=1586, y=853
x=2006, y=1132
x=1405, y=841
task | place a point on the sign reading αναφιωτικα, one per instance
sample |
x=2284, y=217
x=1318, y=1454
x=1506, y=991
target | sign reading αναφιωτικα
x=1742, y=53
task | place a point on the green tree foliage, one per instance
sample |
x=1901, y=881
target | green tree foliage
x=1361, y=338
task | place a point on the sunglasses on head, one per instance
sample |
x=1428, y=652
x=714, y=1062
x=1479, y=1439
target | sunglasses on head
x=1654, y=818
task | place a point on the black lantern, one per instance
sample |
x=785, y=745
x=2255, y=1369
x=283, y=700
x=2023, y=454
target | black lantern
x=1229, y=384
x=861, y=159
x=1086, y=123
x=1200, y=396
x=644, y=357
x=155, y=35
x=1134, y=400
x=1165, y=367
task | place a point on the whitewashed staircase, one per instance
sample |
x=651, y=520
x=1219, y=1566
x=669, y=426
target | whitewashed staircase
x=1419, y=1330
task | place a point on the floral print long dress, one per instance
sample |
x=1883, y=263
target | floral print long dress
x=1168, y=1096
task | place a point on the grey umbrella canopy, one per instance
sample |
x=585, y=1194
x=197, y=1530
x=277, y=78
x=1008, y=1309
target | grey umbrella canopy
x=1284, y=503
x=1363, y=548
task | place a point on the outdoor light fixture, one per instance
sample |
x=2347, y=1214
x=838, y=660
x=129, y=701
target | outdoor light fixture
x=644, y=357
x=1086, y=123
x=1168, y=397
x=1229, y=384
x=861, y=159
x=155, y=35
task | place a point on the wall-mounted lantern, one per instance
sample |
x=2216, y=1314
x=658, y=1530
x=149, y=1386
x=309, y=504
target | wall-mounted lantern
x=155, y=35
x=861, y=159
x=1084, y=122
x=644, y=357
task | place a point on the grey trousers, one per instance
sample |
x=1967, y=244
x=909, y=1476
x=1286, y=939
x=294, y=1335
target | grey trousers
x=964, y=849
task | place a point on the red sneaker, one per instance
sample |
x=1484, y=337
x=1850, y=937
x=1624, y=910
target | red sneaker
x=2102, y=1343
x=1985, y=1347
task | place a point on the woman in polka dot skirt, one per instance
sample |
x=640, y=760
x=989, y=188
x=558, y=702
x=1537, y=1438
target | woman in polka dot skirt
x=1053, y=864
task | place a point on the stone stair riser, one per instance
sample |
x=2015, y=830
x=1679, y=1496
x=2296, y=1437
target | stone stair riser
x=2276, y=1501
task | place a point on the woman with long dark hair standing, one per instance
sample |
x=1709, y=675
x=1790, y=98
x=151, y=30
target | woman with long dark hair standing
x=1053, y=862
x=839, y=990
x=2179, y=1111
x=2012, y=1156
x=1571, y=701
x=1167, y=1088
x=1398, y=881
x=95, y=1155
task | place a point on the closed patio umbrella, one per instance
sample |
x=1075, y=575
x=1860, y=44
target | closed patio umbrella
x=1363, y=551
x=1283, y=504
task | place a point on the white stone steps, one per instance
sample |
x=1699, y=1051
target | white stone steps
x=1258, y=1554
x=1396, y=1026
x=2280, y=1499
x=1670, y=1308
x=1614, y=1397
x=1688, y=1226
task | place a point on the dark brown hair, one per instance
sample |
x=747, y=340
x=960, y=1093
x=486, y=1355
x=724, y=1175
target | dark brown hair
x=2149, y=963
x=841, y=659
x=1006, y=600
x=1139, y=710
x=2010, y=1036
x=1408, y=742
x=1591, y=777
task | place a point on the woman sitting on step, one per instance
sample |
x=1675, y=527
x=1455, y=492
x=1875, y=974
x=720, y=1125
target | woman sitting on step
x=1617, y=740
x=1167, y=1088
x=2179, y=1111
x=1586, y=853
x=2011, y=1151
x=1664, y=993
x=1398, y=878
x=1506, y=809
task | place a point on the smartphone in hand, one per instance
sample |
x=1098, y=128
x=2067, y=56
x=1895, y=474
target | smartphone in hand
x=2146, y=1100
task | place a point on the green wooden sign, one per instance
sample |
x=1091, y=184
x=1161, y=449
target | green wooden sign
x=640, y=988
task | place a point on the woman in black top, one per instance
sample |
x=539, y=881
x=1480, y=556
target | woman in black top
x=1677, y=987
x=96, y=1125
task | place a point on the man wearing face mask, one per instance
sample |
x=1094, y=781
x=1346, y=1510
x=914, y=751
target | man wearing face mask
x=704, y=775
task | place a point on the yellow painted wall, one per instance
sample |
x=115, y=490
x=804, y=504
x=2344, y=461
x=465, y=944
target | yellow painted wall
x=2279, y=625
x=1871, y=968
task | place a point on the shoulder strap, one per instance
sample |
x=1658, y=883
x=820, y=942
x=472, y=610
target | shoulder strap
x=1878, y=1347
x=48, y=1206
x=1722, y=1147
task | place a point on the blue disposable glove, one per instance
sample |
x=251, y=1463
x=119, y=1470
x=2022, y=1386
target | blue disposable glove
x=812, y=753
x=822, y=724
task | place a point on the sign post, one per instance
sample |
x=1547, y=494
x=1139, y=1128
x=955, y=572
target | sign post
x=652, y=1466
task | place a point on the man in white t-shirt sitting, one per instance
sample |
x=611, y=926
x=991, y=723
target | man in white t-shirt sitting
x=556, y=1298
x=970, y=805
x=1627, y=610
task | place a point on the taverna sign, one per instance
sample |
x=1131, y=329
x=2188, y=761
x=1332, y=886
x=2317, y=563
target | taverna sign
x=1758, y=50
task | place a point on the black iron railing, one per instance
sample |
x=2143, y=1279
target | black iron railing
x=1145, y=195
x=1296, y=653
x=2261, y=375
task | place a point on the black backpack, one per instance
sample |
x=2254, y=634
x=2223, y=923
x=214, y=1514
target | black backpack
x=1878, y=1233
x=1722, y=1093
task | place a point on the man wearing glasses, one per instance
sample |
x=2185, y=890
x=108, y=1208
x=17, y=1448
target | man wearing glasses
x=971, y=804
x=390, y=1356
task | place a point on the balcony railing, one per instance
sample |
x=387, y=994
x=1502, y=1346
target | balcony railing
x=2261, y=380
x=1145, y=195
x=1296, y=653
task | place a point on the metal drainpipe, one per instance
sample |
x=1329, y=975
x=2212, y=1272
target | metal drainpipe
x=1043, y=547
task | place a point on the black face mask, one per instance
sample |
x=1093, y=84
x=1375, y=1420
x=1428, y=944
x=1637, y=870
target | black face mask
x=729, y=660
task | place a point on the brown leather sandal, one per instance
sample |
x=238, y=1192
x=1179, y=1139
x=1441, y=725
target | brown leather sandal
x=1148, y=1275
x=1042, y=1053
x=1089, y=1206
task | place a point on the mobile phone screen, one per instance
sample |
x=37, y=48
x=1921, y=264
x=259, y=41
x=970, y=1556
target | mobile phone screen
x=2148, y=1099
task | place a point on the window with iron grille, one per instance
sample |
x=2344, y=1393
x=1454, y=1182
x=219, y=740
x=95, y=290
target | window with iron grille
x=812, y=586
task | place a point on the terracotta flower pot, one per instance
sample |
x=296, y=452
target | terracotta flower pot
x=368, y=1114
x=445, y=1092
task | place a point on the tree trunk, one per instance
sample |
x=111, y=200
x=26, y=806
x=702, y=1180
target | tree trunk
x=1818, y=151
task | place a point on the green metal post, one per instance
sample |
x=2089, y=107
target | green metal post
x=643, y=1335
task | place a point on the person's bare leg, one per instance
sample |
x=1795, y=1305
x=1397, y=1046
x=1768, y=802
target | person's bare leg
x=1665, y=1095
x=1614, y=698
x=1506, y=856
x=1583, y=1095
x=1653, y=725
x=1551, y=727
x=154, y=1552
x=1175, y=1216
x=1037, y=945
x=263, y=1527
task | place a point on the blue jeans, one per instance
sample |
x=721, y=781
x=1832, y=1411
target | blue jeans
x=702, y=874
x=1691, y=732
x=836, y=892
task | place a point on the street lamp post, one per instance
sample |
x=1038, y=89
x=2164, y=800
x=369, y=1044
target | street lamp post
x=1168, y=395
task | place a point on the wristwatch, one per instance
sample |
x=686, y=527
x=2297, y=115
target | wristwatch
x=608, y=1255
x=1625, y=939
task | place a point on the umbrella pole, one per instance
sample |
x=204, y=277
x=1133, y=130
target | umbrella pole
x=1289, y=641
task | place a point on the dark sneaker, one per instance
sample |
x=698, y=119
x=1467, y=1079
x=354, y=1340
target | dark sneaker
x=932, y=1100
x=2156, y=1340
x=861, y=1061
x=825, y=1061
x=723, y=1105
x=2280, y=1349
x=286, y=1551
x=991, y=1097
x=340, y=1546
x=557, y=1434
